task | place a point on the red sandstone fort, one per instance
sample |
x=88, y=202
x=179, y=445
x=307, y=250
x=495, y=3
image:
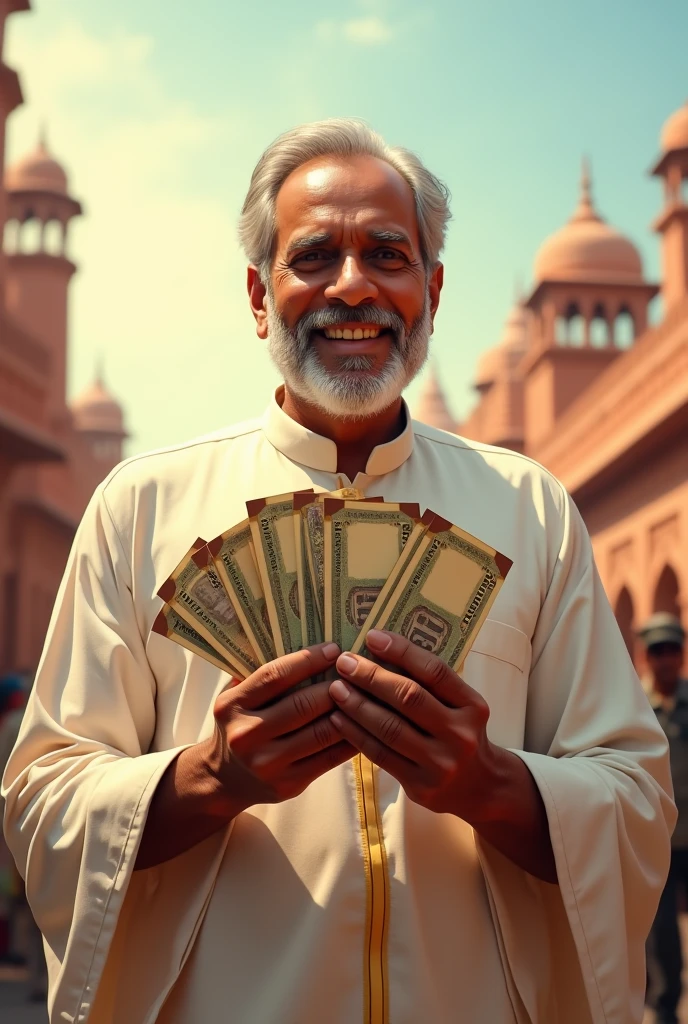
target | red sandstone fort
x=579, y=382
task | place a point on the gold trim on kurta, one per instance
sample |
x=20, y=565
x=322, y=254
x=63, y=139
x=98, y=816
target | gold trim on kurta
x=375, y=974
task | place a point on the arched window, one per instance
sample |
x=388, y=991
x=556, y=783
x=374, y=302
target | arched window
x=599, y=329
x=575, y=326
x=624, y=613
x=624, y=328
x=11, y=237
x=561, y=330
x=666, y=593
x=53, y=238
x=30, y=237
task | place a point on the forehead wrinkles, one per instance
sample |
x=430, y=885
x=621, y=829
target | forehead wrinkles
x=332, y=192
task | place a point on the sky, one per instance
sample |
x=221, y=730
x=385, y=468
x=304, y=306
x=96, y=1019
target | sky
x=159, y=109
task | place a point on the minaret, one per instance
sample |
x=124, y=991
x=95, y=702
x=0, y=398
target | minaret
x=10, y=98
x=589, y=302
x=39, y=209
x=97, y=416
x=432, y=407
x=672, y=223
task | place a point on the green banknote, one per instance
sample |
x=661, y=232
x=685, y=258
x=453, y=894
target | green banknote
x=235, y=562
x=310, y=507
x=272, y=530
x=311, y=622
x=169, y=623
x=362, y=542
x=443, y=591
x=195, y=591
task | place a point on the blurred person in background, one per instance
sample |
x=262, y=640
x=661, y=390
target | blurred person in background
x=23, y=942
x=663, y=637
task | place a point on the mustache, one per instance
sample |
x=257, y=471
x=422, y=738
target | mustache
x=333, y=316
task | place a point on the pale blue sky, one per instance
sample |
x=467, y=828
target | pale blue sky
x=159, y=109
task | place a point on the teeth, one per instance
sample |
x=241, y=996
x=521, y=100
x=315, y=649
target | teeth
x=347, y=334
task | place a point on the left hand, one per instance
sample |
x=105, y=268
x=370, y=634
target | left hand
x=431, y=732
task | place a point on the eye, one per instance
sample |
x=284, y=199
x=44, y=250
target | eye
x=389, y=256
x=312, y=256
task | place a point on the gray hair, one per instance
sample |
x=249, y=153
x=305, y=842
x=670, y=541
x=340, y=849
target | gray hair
x=341, y=137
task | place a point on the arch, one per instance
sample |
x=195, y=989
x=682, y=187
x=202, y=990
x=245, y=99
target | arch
x=53, y=238
x=11, y=236
x=667, y=590
x=575, y=326
x=561, y=330
x=624, y=613
x=624, y=328
x=30, y=239
x=599, y=328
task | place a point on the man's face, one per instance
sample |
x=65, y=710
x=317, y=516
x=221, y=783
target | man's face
x=665, y=661
x=349, y=302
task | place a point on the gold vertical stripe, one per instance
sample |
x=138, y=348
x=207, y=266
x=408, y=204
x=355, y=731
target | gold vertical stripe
x=375, y=980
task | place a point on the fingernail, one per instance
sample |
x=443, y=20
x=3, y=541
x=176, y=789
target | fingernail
x=330, y=651
x=378, y=641
x=337, y=719
x=346, y=663
x=338, y=690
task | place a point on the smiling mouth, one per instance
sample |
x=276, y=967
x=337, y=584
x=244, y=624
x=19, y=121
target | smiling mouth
x=351, y=333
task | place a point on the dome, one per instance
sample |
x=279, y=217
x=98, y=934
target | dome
x=37, y=172
x=96, y=410
x=588, y=249
x=675, y=131
x=501, y=360
x=432, y=406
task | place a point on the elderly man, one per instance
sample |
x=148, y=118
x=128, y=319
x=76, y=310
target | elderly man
x=195, y=852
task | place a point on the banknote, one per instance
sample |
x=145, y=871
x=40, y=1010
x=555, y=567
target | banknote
x=362, y=543
x=195, y=591
x=234, y=559
x=169, y=623
x=444, y=592
x=310, y=508
x=272, y=530
x=311, y=623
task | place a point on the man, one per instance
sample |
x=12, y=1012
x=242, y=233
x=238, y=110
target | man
x=663, y=637
x=195, y=852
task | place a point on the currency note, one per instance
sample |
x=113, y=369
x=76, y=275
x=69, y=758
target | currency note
x=311, y=623
x=195, y=591
x=272, y=530
x=235, y=562
x=310, y=508
x=444, y=592
x=361, y=544
x=169, y=623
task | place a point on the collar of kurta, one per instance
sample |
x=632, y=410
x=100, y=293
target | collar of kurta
x=317, y=452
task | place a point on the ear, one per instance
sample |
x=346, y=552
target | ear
x=257, y=298
x=435, y=287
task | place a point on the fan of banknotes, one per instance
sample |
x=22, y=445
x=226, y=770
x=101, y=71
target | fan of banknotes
x=303, y=568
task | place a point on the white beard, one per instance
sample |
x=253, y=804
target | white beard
x=349, y=392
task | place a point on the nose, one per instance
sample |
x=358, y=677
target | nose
x=352, y=285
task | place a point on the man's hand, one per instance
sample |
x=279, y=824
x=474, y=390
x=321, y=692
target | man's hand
x=427, y=728
x=272, y=741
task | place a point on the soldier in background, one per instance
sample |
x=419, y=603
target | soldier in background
x=663, y=637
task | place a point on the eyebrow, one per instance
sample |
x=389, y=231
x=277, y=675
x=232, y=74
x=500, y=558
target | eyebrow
x=308, y=241
x=389, y=236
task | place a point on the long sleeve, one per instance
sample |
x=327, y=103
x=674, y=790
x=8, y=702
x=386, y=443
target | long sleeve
x=600, y=762
x=79, y=782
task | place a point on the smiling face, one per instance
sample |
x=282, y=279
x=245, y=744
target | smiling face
x=349, y=305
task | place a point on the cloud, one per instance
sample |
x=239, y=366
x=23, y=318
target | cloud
x=372, y=30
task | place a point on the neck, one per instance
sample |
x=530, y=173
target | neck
x=355, y=439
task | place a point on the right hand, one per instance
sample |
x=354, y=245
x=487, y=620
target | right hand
x=270, y=744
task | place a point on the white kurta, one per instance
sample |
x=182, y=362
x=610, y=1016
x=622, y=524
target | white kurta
x=266, y=921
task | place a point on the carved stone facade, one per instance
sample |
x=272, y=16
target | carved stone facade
x=599, y=397
x=52, y=455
